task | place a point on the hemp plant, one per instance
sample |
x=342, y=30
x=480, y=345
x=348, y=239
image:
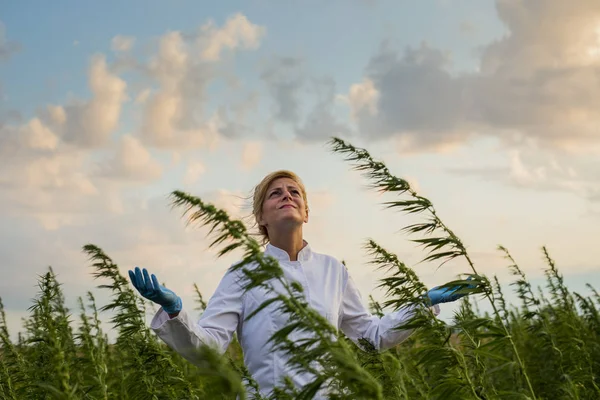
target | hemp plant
x=434, y=353
x=443, y=247
x=144, y=361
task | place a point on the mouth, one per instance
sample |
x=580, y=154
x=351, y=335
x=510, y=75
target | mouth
x=287, y=206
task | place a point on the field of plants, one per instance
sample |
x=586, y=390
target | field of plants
x=545, y=347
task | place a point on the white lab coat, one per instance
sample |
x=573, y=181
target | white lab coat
x=328, y=288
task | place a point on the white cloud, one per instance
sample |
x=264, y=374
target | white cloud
x=132, y=162
x=174, y=115
x=91, y=123
x=57, y=114
x=305, y=102
x=532, y=169
x=122, y=43
x=62, y=166
x=165, y=109
x=235, y=203
x=320, y=200
x=142, y=96
x=38, y=136
x=238, y=32
x=53, y=188
x=284, y=77
x=537, y=82
x=362, y=96
x=523, y=175
x=194, y=170
x=252, y=153
x=47, y=162
x=467, y=27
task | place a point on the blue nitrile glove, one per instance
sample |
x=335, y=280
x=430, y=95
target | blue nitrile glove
x=439, y=295
x=151, y=290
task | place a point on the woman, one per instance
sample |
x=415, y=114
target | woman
x=280, y=208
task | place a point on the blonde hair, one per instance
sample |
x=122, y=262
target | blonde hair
x=260, y=193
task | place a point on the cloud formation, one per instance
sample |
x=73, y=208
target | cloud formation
x=290, y=84
x=194, y=170
x=529, y=168
x=47, y=162
x=174, y=114
x=90, y=123
x=85, y=124
x=252, y=154
x=284, y=78
x=238, y=32
x=536, y=83
x=132, y=162
x=70, y=161
x=122, y=43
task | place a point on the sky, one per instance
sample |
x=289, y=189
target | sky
x=490, y=109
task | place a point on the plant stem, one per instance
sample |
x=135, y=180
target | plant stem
x=387, y=182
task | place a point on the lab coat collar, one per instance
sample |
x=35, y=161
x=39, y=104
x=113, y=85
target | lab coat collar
x=281, y=255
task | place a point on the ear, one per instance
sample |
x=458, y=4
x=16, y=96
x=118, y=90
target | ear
x=306, y=217
x=260, y=221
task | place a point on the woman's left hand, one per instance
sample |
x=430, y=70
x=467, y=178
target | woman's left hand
x=439, y=294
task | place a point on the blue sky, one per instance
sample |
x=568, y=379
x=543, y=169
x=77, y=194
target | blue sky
x=327, y=35
x=106, y=107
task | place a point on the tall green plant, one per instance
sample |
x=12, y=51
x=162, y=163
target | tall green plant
x=144, y=362
x=14, y=379
x=443, y=247
x=93, y=362
x=51, y=338
x=435, y=354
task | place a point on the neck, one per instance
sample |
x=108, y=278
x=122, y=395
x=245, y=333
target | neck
x=291, y=242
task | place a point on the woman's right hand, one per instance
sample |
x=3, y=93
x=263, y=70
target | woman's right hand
x=151, y=290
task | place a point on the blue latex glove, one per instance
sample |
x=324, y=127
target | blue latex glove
x=151, y=290
x=439, y=295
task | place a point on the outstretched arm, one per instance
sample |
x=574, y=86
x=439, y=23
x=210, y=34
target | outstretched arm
x=215, y=327
x=357, y=322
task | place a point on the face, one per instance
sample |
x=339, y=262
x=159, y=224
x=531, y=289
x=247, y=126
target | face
x=283, y=204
